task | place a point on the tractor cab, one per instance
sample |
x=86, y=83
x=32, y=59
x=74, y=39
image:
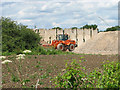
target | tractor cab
x=62, y=37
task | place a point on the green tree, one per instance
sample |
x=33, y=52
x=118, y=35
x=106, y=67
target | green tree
x=17, y=37
x=74, y=27
x=94, y=27
x=57, y=28
x=115, y=28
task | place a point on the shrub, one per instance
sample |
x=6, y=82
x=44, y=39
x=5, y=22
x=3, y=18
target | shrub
x=17, y=37
x=73, y=77
x=108, y=77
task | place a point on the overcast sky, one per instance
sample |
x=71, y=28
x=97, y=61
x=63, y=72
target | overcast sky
x=63, y=13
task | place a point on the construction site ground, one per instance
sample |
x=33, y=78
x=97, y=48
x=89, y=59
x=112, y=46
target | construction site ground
x=105, y=43
x=44, y=68
x=104, y=46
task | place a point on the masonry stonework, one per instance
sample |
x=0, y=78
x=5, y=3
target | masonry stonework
x=79, y=35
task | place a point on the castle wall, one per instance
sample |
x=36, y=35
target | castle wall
x=82, y=34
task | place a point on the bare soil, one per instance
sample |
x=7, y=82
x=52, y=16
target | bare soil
x=44, y=68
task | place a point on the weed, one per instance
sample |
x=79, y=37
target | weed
x=49, y=71
x=74, y=78
x=38, y=66
x=55, y=66
x=41, y=69
x=32, y=86
x=44, y=76
x=33, y=76
x=84, y=60
x=40, y=82
x=35, y=57
x=25, y=81
x=3, y=81
x=14, y=78
x=8, y=68
x=38, y=62
x=29, y=57
x=10, y=58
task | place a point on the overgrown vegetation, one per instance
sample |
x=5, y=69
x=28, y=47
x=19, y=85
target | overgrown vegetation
x=17, y=37
x=74, y=77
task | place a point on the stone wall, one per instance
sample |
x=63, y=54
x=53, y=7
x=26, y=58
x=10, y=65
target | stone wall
x=82, y=34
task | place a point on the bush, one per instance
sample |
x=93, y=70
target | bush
x=17, y=37
x=71, y=77
x=108, y=77
x=74, y=77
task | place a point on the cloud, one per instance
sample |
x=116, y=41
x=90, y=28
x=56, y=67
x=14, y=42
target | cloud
x=55, y=24
x=63, y=13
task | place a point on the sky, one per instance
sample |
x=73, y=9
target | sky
x=61, y=13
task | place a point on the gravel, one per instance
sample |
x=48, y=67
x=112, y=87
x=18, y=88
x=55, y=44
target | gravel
x=104, y=43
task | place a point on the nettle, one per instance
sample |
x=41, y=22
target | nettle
x=110, y=76
x=74, y=77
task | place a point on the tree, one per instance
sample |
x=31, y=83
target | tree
x=94, y=27
x=57, y=28
x=17, y=36
x=115, y=28
x=74, y=28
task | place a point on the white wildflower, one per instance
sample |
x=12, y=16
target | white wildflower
x=6, y=61
x=21, y=55
x=27, y=51
x=83, y=79
x=2, y=57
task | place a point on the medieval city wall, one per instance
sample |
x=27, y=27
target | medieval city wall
x=82, y=35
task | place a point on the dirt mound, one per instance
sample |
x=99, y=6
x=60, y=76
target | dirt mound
x=103, y=43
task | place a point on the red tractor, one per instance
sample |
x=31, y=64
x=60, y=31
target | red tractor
x=63, y=43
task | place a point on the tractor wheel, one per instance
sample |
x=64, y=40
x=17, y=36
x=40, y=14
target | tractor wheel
x=60, y=47
x=71, y=47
